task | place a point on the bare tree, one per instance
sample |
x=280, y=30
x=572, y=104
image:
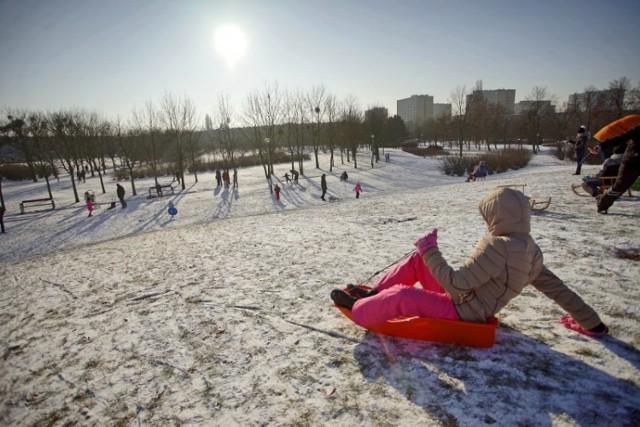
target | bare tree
x=147, y=127
x=262, y=112
x=618, y=89
x=315, y=100
x=66, y=128
x=38, y=129
x=331, y=114
x=458, y=104
x=16, y=129
x=539, y=110
x=226, y=138
x=351, y=121
x=178, y=117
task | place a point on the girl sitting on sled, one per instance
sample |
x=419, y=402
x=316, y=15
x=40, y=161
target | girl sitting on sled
x=503, y=263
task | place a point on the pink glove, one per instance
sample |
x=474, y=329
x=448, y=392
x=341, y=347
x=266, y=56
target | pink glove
x=428, y=241
x=570, y=323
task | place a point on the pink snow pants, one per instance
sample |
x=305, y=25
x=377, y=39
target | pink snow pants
x=397, y=297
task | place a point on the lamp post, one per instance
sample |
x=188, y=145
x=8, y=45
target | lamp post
x=373, y=149
x=267, y=141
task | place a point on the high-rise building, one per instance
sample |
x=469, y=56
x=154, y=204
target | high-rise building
x=415, y=110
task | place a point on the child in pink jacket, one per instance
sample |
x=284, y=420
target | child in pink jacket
x=357, y=189
x=503, y=263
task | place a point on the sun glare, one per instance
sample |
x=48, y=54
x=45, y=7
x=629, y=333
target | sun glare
x=231, y=43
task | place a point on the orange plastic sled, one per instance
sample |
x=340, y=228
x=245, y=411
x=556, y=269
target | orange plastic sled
x=438, y=330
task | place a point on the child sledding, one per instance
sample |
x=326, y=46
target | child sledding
x=503, y=263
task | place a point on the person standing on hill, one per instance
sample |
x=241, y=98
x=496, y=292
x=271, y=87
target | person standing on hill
x=276, y=189
x=120, y=193
x=323, y=186
x=2, y=217
x=89, y=203
x=235, y=178
x=581, y=147
x=357, y=189
x=624, y=130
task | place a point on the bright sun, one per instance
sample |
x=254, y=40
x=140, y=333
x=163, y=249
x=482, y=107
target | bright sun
x=231, y=43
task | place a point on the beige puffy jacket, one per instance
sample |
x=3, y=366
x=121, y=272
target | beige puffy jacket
x=502, y=264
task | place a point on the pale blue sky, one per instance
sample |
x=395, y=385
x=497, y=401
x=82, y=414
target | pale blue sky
x=114, y=55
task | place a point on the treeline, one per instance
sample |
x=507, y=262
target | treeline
x=273, y=125
x=480, y=123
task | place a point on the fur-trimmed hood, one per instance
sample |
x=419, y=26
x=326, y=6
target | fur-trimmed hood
x=506, y=211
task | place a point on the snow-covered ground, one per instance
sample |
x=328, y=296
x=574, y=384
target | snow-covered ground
x=222, y=316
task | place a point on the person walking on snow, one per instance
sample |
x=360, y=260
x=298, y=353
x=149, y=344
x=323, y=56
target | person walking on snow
x=581, y=147
x=88, y=202
x=120, y=193
x=357, y=189
x=276, y=190
x=501, y=266
x=323, y=186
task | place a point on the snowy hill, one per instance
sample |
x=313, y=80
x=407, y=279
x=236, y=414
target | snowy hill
x=222, y=316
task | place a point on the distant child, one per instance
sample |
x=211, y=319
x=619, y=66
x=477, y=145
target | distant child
x=480, y=171
x=88, y=203
x=276, y=189
x=344, y=176
x=286, y=177
x=501, y=266
x=357, y=189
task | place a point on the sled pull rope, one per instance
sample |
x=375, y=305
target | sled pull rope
x=383, y=269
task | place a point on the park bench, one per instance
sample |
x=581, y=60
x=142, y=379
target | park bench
x=164, y=190
x=34, y=203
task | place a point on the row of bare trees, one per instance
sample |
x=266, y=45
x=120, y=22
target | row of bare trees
x=171, y=131
x=483, y=123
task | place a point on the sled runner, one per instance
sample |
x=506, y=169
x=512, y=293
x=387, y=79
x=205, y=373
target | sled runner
x=605, y=182
x=537, y=205
x=438, y=330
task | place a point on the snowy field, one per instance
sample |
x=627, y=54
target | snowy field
x=221, y=315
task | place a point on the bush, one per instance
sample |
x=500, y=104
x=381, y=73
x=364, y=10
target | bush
x=432, y=150
x=20, y=171
x=509, y=158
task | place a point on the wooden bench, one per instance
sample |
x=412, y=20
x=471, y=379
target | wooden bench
x=36, y=203
x=164, y=190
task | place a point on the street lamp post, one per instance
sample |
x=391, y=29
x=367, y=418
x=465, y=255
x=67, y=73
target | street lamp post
x=267, y=141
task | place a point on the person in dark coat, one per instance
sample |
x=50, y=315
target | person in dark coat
x=120, y=193
x=276, y=189
x=581, y=147
x=323, y=185
x=2, y=217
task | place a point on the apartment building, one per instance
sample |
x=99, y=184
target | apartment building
x=415, y=110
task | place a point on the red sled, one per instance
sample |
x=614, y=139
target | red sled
x=471, y=334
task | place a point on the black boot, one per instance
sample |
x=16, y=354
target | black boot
x=604, y=202
x=342, y=299
x=360, y=292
